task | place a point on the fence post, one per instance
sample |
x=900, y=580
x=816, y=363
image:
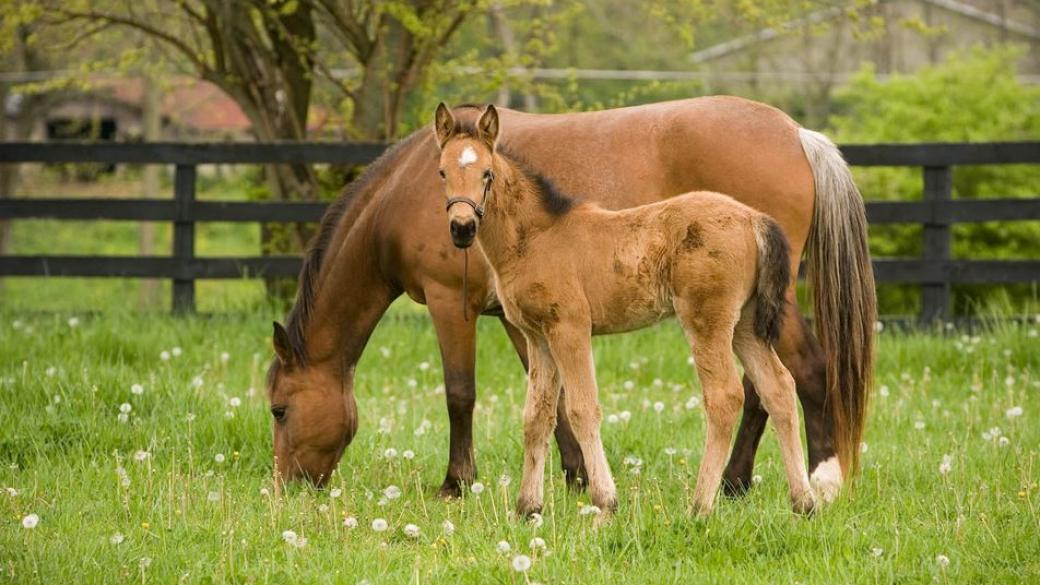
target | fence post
x=184, y=237
x=938, y=189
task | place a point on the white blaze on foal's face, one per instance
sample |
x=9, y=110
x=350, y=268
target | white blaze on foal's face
x=468, y=157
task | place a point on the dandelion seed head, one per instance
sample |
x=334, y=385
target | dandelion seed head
x=164, y=355
x=658, y=407
x=392, y=492
x=625, y=415
x=140, y=456
x=176, y=351
x=350, y=522
x=942, y=560
x=537, y=543
x=125, y=408
x=612, y=419
x=390, y=453
x=30, y=521
x=117, y=538
x=411, y=531
x=137, y=389
x=1013, y=412
x=503, y=547
x=380, y=525
x=213, y=496
x=219, y=458
x=521, y=563
x=335, y=492
x=234, y=402
x=477, y=488
x=408, y=454
x=448, y=528
x=536, y=520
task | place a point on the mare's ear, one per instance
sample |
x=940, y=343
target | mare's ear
x=282, y=347
x=487, y=126
x=443, y=124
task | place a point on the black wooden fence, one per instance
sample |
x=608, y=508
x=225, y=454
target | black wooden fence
x=935, y=271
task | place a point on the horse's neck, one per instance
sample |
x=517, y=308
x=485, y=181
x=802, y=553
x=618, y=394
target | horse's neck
x=514, y=213
x=350, y=297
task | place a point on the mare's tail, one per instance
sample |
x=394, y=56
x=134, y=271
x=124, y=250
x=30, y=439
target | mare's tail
x=841, y=278
x=774, y=275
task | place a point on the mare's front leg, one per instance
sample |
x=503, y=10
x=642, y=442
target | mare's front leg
x=570, y=451
x=457, y=339
x=801, y=353
x=543, y=391
x=571, y=347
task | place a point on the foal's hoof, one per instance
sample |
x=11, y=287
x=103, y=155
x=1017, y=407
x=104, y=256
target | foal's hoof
x=804, y=504
x=526, y=509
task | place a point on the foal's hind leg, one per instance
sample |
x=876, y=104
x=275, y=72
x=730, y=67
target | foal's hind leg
x=801, y=353
x=776, y=389
x=570, y=451
x=710, y=333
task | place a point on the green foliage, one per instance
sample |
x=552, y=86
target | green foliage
x=974, y=96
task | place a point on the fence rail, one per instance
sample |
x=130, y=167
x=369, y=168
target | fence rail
x=935, y=270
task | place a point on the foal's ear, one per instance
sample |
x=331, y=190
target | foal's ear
x=282, y=347
x=487, y=126
x=443, y=124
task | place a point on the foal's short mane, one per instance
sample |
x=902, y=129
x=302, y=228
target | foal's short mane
x=354, y=193
x=553, y=200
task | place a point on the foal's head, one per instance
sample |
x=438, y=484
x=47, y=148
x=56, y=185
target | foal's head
x=466, y=169
x=315, y=416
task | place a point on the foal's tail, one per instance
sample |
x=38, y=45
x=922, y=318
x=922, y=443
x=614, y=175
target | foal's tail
x=842, y=281
x=774, y=275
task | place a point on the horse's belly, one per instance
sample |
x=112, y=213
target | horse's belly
x=630, y=312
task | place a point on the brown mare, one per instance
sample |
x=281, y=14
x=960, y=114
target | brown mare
x=382, y=239
x=565, y=270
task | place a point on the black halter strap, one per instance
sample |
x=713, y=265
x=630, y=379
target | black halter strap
x=478, y=210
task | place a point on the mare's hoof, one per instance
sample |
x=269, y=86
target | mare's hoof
x=450, y=490
x=826, y=480
x=736, y=487
x=576, y=480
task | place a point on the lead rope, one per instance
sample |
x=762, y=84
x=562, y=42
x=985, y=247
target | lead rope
x=465, y=284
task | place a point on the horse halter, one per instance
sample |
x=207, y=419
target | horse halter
x=478, y=210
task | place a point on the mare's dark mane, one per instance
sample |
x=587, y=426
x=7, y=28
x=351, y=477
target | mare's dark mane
x=300, y=315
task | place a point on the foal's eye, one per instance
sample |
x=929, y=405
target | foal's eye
x=487, y=175
x=278, y=412
x=442, y=174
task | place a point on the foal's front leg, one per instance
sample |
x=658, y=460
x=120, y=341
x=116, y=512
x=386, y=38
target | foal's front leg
x=543, y=383
x=571, y=348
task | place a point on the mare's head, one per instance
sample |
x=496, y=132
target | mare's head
x=315, y=415
x=466, y=169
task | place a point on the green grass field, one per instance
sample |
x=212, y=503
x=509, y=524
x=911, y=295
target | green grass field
x=179, y=490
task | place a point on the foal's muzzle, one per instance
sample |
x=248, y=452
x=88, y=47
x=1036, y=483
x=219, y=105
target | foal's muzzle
x=463, y=232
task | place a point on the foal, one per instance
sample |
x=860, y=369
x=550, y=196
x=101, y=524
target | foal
x=566, y=270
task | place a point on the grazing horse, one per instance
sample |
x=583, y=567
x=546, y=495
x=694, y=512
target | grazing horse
x=381, y=240
x=564, y=270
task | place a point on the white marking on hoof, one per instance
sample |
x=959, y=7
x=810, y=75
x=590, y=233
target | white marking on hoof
x=468, y=157
x=826, y=480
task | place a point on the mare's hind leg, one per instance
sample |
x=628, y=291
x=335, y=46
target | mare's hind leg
x=775, y=387
x=570, y=451
x=709, y=331
x=457, y=339
x=543, y=383
x=801, y=353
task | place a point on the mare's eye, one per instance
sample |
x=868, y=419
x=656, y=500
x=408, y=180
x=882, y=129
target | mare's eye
x=441, y=173
x=278, y=412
